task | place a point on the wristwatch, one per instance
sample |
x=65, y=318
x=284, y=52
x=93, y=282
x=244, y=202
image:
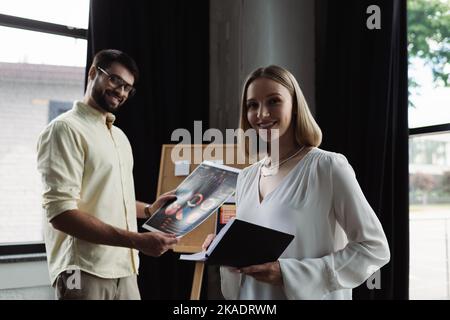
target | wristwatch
x=147, y=212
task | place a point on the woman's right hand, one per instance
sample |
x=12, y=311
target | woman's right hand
x=208, y=241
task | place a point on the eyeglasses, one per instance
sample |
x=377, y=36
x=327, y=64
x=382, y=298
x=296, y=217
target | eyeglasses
x=118, y=82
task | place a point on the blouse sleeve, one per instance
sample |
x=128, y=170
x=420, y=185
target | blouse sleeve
x=366, y=252
x=230, y=283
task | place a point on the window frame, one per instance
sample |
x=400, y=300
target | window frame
x=439, y=128
x=41, y=26
x=421, y=131
x=31, y=248
x=25, y=248
x=427, y=130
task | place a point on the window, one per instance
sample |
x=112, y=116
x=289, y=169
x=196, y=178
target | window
x=73, y=13
x=42, y=70
x=429, y=148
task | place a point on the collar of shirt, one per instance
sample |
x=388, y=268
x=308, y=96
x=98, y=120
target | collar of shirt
x=94, y=115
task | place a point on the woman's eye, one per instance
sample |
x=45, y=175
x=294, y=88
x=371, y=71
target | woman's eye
x=251, y=105
x=273, y=101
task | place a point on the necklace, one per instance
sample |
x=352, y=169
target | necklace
x=270, y=170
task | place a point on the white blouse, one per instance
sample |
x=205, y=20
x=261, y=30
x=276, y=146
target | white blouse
x=339, y=241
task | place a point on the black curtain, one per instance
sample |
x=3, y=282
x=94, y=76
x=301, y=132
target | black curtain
x=169, y=39
x=361, y=106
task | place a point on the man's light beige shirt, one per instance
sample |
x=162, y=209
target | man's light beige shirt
x=86, y=163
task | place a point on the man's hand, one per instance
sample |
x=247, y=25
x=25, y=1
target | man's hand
x=268, y=272
x=162, y=199
x=154, y=243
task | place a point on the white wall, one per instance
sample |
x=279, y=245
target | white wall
x=246, y=34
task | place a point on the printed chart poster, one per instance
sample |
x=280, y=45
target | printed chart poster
x=198, y=196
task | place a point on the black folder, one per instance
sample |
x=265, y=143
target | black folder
x=240, y=244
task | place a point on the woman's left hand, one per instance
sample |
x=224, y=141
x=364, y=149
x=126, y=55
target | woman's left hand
x=268, y=272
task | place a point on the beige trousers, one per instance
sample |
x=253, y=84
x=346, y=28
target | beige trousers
x=80, y=285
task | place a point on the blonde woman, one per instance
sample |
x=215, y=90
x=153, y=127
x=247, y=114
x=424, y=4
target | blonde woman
x=311, y=193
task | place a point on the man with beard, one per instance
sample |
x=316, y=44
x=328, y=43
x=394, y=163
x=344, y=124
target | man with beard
x=86, y=166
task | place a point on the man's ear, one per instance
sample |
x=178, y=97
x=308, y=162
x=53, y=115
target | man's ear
x=92, y=72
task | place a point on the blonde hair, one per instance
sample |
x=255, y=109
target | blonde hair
x=307, y=131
